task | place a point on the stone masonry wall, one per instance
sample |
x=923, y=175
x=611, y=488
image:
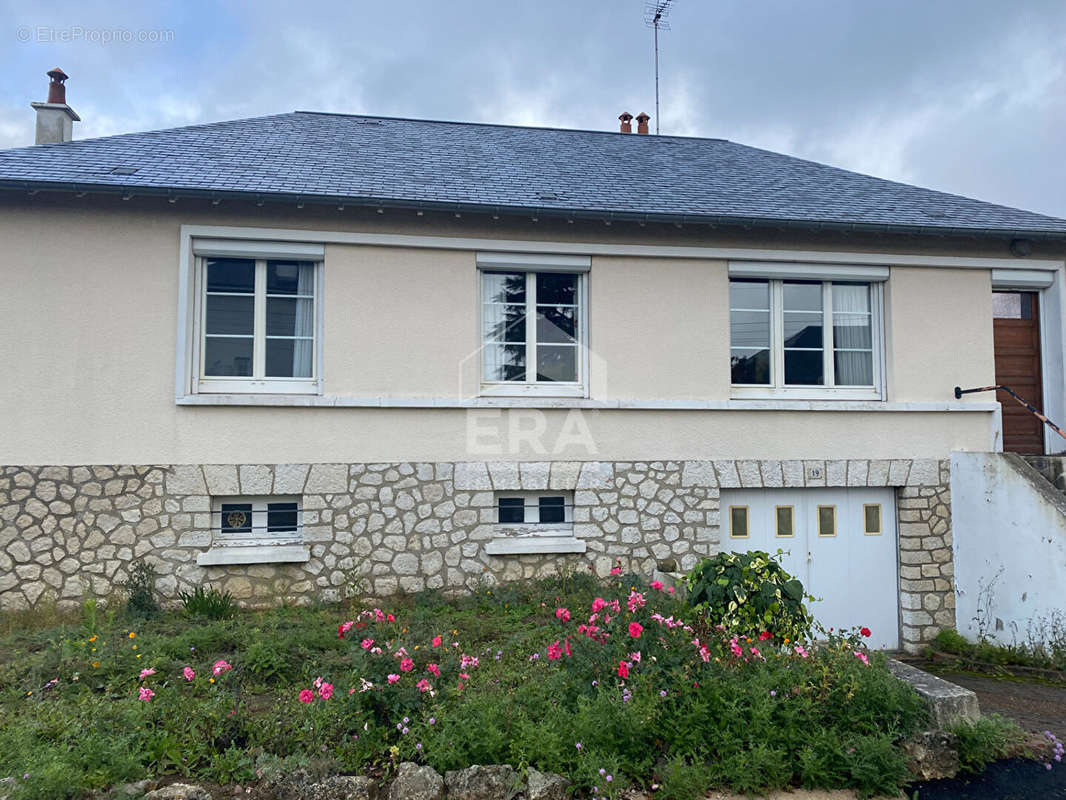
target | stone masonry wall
x=68, y=533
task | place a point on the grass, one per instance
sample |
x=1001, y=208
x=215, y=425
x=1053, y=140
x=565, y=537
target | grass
x=1048, y=654
x=683, y=716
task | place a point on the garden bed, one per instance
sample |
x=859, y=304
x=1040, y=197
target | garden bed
x=611, y=684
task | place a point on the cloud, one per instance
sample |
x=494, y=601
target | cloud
x=963, y=97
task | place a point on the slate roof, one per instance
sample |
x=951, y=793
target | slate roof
x=390, y=161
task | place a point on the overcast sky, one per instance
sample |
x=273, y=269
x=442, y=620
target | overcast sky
x=966, y=96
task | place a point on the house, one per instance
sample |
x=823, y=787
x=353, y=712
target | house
x=309, y=354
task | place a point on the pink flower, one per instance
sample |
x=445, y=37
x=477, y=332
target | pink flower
x=635, y=657
x=670, y=589
x=566, y=647
x=735, y=648
x=436, y=641
x=598, y=605
x=434, y=669
x=862, y=657
x=464, y=676
x=424, y=686
x=623, y=669
x=636, y=600
x=307, y=696
x=393, y=677
x=468, y=662
x=146, y=672
x=802, y=653
x=220, y=667
x=616, y=571
x=145, y=694
x=406, y=665
x=366, y=644
x=563, y=614
x=188, y=673
x=755, y=652
x=635, y=629
x=390, y=617
x=343, y=628
x=325, y=691
x=656, y=585
x=555, y=652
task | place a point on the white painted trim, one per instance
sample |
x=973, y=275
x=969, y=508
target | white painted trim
x=347, y=401
x=524, y=545
x=536, y=262
x=591, y=249
x=250, y=248
x=806, y=271
x=1022, y=278
x=254, y=554
x=184, y=356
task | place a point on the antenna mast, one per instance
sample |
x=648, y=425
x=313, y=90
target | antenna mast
x=655, y=14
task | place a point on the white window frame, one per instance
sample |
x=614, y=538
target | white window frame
x=260, y=253
x=259, y=504
x=777, y=389
x=530, y=266
x=531, y=524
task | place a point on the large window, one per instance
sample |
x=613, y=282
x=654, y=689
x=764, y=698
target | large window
x=797, y=337
x=258, y=323
x=532, y=331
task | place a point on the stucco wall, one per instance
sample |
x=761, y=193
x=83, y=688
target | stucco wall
x=1010, y=547
x=88, y=303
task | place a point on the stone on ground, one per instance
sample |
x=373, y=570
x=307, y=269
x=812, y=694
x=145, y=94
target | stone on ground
x=546, y=786
x=493, y=782
x=416, y=783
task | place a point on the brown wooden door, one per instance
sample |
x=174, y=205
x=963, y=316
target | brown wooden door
x=1016, y=331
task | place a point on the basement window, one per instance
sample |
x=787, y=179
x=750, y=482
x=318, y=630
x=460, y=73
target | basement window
x=255, y=530
x=534, y=522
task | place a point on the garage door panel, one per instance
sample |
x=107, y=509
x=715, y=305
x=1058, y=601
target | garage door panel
x=842, y=547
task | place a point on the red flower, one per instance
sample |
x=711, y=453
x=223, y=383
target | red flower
x=555, y=652
x=635, y=629
x=765, y=635
x=307, y=696
x=623, y=669
x=864, y=631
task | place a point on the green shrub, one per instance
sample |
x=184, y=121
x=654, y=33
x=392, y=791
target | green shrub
x=749, y=593
x=988, y=739
x=140, y=591
x=210, y=603
x=951, y=641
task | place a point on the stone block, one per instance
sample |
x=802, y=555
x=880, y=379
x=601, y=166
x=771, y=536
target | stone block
x=290, y=478
x=327, y=479
x=221, y=479
x=472, y=475
x=564, y=475
x=256, y=479
x=504, y=475
x=698, y=473
x=947, y=702
x=534, y=475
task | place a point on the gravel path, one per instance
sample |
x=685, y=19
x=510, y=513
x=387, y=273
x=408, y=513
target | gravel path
x=1036, y=707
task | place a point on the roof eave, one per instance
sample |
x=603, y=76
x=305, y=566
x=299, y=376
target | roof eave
x=552, y=212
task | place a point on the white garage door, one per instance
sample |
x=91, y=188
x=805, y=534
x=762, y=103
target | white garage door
x=841, y=543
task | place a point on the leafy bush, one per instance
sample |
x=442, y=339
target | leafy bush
x=210, y=603
x=140, y=591
x=988, y=739
x=748, y=593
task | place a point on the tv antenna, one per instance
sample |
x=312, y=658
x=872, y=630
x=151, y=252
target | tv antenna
x=655, y=16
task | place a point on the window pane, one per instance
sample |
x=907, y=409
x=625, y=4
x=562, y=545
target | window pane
x=281, y=517
x=803, y=330
x=503, y=287
x=750, y=366
x=803, y=297
x=556, y=363
x=556, y=289
x=289, y=358
x=784, y=520
x=1012, y=305
x=228, y=357
x=290, y=277
x=827, y=520
x=738, y=521
x=749, y=328
x=852, y=330
x=555, y=324
x=510, y=510
x=504, y=323
x=552, y=509
x=851, y=298
x=871, y=519
x=289, y=317
x=803, y=368
x=749, y=294
x=235, y=518
x=226, y=314
x=504, y=362
x=854, y=367
x=230, y=275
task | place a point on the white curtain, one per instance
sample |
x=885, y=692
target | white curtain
x=852, y=334
x=303, y=349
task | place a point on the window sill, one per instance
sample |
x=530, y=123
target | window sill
x=532, y=390
x=254, y=554
x=534, y=545
x=735, y=404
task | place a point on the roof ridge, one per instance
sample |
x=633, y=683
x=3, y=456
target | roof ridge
x=648, y=137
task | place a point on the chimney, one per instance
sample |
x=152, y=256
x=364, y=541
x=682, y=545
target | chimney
x=642, y=123
x=55, y=119
x=626, y=117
